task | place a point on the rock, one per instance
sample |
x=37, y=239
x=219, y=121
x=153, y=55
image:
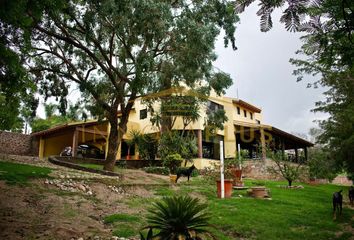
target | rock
x=114, y=238
x=81, y=187
x=80, y=238
x=89, y=193
x=61, y=176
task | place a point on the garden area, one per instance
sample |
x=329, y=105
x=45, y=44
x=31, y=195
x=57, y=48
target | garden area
x=121, y=207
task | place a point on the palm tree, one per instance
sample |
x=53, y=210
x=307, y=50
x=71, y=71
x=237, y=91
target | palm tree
x=179, y=218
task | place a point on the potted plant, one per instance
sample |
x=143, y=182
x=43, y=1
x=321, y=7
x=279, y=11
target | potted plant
x=172, y=162
x=235, y=167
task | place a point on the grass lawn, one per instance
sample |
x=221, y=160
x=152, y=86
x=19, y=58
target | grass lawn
x=14, y=173
x=291, y=214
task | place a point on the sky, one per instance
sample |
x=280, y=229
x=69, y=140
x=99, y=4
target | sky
x=262, y=73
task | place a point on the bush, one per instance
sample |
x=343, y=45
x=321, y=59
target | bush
x=157, y=170
x=172, y=162
x=179, y=217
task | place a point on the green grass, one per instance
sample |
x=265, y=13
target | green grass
x=15, y=173
x=120, y=218
x=291, y=214
x=124, y=225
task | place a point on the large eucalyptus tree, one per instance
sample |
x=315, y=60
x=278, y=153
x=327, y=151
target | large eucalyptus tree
x=116, y=51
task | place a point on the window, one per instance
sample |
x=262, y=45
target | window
x=143, y=113
x=238, y=110
x=251, y=115
x=213, y=107
x=245, y=113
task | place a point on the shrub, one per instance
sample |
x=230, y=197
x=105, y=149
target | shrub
x=157, y=170
x=179, y=217
x=172, y=162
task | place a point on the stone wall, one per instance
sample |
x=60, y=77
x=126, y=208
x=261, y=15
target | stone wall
x=18, y=144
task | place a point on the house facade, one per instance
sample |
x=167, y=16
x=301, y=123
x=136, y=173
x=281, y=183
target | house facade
x=244, y=128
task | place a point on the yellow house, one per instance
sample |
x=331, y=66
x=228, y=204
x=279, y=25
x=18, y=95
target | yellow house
x=244, y=128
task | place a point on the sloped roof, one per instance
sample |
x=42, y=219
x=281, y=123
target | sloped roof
x=67, y=126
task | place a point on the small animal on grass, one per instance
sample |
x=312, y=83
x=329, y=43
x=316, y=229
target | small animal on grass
x=185, y=172
x=337, y=203
x=351, y=195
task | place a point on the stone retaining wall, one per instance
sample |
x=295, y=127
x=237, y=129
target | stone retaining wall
x=18, y=144
x=133, y=164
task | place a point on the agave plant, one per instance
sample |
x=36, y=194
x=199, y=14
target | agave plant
x=179, y=218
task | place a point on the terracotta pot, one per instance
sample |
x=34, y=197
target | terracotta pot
x=173, y=178
x=237, y=176
x=227, y=188
x=259, y=192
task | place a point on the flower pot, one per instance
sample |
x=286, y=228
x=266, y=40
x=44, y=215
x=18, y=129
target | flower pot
x=227, y=188
x=259, y=192
x=237, y=177
x=173, y=178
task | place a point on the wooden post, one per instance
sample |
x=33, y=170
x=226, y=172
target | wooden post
x=305, y=151
x=200, y=144
x=263, y=144
x=75, y=142
x=41, y=148
x=296, y=155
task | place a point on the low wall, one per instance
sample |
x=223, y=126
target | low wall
x=65, y=162
x=18, y=144
x=133, y=164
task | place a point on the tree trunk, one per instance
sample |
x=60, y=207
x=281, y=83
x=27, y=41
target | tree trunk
x=116, y=136
x=113, y=144
x=290, y=182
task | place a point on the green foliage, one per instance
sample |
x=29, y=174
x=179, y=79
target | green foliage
x=329, y=51
x=172, y=162
x=70, y=114
x=14, y=173
x=120, y=218
x=39, y=124
x=157, y=170
x=215, y=120
x=173, y=142
x=179, y=217
x=320, y=163
x=290, y=171
x=146, y=143
x=149, y=235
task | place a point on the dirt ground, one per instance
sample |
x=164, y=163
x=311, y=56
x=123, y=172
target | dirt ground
x=70, y=205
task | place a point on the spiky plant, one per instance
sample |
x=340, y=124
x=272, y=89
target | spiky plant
x=179, y=218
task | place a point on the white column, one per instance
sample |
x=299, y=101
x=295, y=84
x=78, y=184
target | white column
x=222, y=169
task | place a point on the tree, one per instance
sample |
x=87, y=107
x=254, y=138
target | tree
x=118, y=51
x=329, y=48
x=18, y=103
x=320, y=164
x=53, y=118
x=289, y=170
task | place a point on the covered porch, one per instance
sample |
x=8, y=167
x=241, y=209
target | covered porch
x=255, y=139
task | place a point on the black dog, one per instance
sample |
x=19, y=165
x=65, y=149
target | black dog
x=337, y=203
x=185, y=172
x=351, y=195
